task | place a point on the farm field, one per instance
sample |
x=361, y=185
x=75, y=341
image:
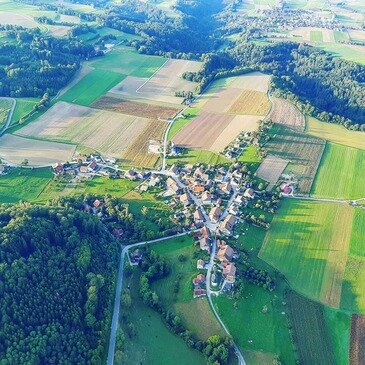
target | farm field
x=357, y=342
x=251, y=102
x=346, y=51
x=16, y=150
x=5, y=107
x=24, y=184
x=335, y=133
x=107, y=132
x=286, y=113
x=180, y=123
x=195, y=313
x=134, y=108
x=302, y=151
x=339, y=172
x=22, y=108
x=198, y=156
x=310, y=243
x=314, y=35
x=271, y=169
x=310, y=331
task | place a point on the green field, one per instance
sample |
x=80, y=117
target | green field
x=345, y=51
x=180, y=123
x=23, y=184
x=23, y=107
x=92, y=86
x=340, y=172
x=5, y=107
x=316, y=36
x=311, y=244
x=198, y=156
x=196, y=313
x=335, y=133
x=154, y=341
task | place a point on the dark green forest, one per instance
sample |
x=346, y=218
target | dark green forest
x=57, y=273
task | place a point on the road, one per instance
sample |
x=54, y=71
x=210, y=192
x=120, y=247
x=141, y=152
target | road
x=9, y=117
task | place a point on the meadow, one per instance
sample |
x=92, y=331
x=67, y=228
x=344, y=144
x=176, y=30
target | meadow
x=191, y=156
x=180, y=123
x=5, y=106
x=339, y=174
x=22, y=108
x=310, y=243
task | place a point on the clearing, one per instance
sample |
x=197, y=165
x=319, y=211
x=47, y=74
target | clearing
x=286, y=113
x=134, y=108
x=271, y=169
x=16, y=150
x=339, y=174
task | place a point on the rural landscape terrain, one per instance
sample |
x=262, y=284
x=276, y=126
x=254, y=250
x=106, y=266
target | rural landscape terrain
x=182, y=182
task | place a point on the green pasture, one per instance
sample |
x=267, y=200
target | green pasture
x=22, y=108
x=191, y=156
x=316, y=36
x=340, y=174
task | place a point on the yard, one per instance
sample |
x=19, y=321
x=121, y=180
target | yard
x=192, y=156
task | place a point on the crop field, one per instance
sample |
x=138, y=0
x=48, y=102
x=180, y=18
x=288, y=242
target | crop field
x=310, y=332
x=134, y=108
x=286, y=113
x=16, y=150
x=214, y=131
x=180, y=123
x=339, y=173
x=310, y=243
x=92, y=86
x=107, y=132
x=5, y=107
x=17, y=19
x=357, y=343
x=23, y=184
x=315, y=35
x=271, y=169
x=302, y=151
x=348, y=52
x=137, y=153
x=335, y=133
x=251, y=102
x=220, y=100
x=256, y=81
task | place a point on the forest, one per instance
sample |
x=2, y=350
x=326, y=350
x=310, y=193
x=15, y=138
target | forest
x=57, y=274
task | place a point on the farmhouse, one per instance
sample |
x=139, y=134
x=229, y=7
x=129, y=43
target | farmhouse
x=215, y=214
x=58, y=168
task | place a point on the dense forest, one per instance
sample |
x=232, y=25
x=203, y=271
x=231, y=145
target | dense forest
x=35, y=64
x=57, y=269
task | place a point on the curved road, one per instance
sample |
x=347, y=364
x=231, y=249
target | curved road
x=9, y=117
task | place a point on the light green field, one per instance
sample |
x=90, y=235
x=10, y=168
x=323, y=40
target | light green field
x=341, y=172
x=345, y=51
x=5, y=107
x=92, y=86
x=340, y=36
x=316, y=36
x=335, y=133
x=310, y=243
x=198, y=156
x=23, y=107
x=24, y=184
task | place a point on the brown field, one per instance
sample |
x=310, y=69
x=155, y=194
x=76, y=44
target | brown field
x=251, y=102
x=271, y=169
x=107, y=132
x=302, y=151
x=240, y=123
x=357, y=342
x=58, y=30
x=134, y=108
x=220, y=100
x=256, y=81
x=203, y=131
x=284, y=112
x=137, y=153
x=15, y=149
x=161, y=87
x=17, y=19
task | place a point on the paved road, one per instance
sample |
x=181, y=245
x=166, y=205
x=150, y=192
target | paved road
x=10, y=116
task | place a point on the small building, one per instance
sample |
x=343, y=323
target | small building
x=199, y=292
x=118, y=232
x=185, y=199
x=249, y=193
x=198, y=216
x=198, y=188
x=225, y=253
x=226, y=188
x=199, y=280
x=200, y=264
x=240, y=199
x=205, y=244
x=229, y=272
x=84, y=169
x=58, y=168
x=131, y=175
x=206, y=198
x=233, y=209
x=226, y=227
x=215, y=214
x=286, y=189
x=205, y=232
x=174, y=169
x=92, y=166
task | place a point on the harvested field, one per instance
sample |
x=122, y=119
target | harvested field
x=107, y=132
x=251, y=102
x=240, y=123
x=203, y=131
x=302, y=151
x=310, y=332
x=271, y=169
x=220, y=100
x=286, y=113
x=16, y=149
x=17, y=19
x=357, y=341
x=134, y=108
x=256, y=81
x=137, y=153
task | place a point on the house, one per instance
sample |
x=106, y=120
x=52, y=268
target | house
x=199, y=280
x=172, y=186
x=198, y=188
x=226, y=188
x=58, y=168
x=286, y=189
x=200, y=173
x=218, y=203
x=198, y=216
x=226, y=227
x=229, y=272
x=199, y=293
x=185, y=199
x=206, y=198
x=174, y=169
x=205, y=232
x=154, y=180
x=205, y=244
x=136, y=256
x=97, y=204
x=131, y=175
x=225, y=253
x=118, y=232
x=249, y=193
x=92, y=166
x=200, y=264
x=240, y=199
x=233, y=209
x=215, y=214
x=84, y=169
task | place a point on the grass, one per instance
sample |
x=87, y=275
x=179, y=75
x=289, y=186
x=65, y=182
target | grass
x=345, y=51
x=180, y=123
x=92, y=86
x=335, y=133
x=311, y=244
x=195, y=313
x=23, y=107
x=309, y=331
x=5, y=106
x=153, y=339
x=191, y=156
x=24, y=184
x=339, y=174
x=316, y=36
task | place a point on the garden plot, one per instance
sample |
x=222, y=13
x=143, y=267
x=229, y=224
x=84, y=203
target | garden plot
x=271, y=169
x=16, y=150
x=284, y=112
x=107, y=132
